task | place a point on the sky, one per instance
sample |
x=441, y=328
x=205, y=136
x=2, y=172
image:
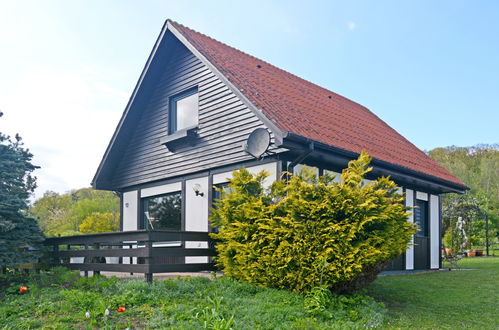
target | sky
x=430, y=69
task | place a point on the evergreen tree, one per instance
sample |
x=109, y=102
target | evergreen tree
x=18, y=232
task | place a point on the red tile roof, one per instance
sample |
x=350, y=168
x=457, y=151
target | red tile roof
x=301, y=107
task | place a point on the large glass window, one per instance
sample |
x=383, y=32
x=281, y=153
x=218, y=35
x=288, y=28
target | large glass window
x=217, y=194
x=421, y=218
x=184, y=110
x=162, y=212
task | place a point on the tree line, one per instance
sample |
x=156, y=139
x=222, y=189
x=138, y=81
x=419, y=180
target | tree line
x=80, y=211
x=477, y=167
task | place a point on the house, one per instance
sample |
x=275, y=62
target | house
x=195, y=105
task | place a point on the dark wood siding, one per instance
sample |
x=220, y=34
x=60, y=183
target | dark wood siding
x=224, y=124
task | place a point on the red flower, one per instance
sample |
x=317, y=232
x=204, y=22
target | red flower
x=121, y=309
x=23, y=289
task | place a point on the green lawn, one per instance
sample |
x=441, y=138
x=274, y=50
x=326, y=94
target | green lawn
x=443, y=300
x=60, y=301
x=438, y=300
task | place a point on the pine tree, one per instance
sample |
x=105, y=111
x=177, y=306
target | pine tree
x=18, y=232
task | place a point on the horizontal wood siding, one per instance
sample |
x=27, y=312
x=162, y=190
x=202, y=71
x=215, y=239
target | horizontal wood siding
x=224, y=124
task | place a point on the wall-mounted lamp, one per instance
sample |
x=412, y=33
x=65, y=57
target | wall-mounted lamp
x=197, y=190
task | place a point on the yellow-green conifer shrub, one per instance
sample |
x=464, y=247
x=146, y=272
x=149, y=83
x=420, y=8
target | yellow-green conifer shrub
x=310, y=231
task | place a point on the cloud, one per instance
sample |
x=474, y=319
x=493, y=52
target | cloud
x=66, y=120
x=351, y=25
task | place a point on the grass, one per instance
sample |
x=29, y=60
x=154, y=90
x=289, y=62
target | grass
x=443, y=300
x=60, y=301
x=438, y=300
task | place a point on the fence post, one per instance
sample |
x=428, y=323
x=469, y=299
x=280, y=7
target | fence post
x=55, y=251
x=148, y=258
x=97, y=247
x=85, y=261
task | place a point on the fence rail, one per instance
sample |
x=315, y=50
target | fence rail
x=140, y=251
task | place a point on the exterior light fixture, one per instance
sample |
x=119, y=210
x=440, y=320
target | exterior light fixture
x=197, y=190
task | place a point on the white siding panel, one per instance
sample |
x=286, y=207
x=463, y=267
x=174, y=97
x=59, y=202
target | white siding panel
x=409, y=254
x=130, y=210
x=299, y=167
x=160, y=190
x=271, y=168
x=222, y=177
x=337, y=176
x=422, y=196
x=196, y=214
x=434, y=232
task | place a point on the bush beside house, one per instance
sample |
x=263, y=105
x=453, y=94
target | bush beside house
x=311, y=231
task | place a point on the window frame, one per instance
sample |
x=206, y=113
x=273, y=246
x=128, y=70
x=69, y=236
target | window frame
x=214, y=192
x=144, y=224
x=422, y=231
x=172, y=109
x=224, y=185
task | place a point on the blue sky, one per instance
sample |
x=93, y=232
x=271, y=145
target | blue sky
x=430, y=69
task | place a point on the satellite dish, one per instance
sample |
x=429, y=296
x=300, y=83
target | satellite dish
x=258, y=142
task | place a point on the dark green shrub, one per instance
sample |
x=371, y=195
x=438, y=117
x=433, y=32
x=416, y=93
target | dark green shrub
x=311, y=231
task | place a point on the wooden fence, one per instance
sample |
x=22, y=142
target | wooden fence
x=141, y=251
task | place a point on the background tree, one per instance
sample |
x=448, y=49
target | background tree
x=98, y=222
x=63, y=214
x=18, y=231
x=478, y=167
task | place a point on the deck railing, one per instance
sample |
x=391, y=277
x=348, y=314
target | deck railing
x=141, y=251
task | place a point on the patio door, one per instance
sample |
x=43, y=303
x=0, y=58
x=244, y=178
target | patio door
x=422, y=237
x=161, y=209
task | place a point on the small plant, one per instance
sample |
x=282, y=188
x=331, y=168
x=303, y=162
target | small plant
x=317, y=300
x=348, y=310
x=212, y=316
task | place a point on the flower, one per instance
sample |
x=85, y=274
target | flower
x=106, y=312
x=121, y=309
x=87, y=315
x=23, y=289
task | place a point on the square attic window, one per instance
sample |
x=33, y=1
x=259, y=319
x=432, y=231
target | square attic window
x=184, y=108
